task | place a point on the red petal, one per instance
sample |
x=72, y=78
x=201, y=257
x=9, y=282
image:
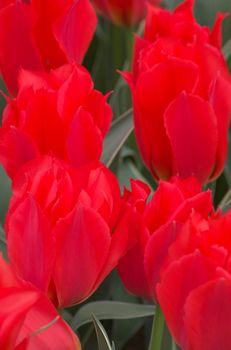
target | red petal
x=220, y=99
x=191, y=126
x=73, y=92
x=83, y=241
x=14, y=303
x=57, y=336
x=16, y=148
x=71, y=31
x=162, y=206
x=132, y=273
x=180, y=278
x=16, y=43
x=30, y=243
x=100, y=110
x=171, y=76
x=208, y=316
x=124, y=238
x=216, y=34
x=84, y=142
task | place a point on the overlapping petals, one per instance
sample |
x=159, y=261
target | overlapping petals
x=40, y=35
x=195, y=288
x=67, y=227
x=181, y=95
x=56, y=113
x=28, y=319
x=170, y=206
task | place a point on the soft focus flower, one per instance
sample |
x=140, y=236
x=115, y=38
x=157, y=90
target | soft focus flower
x=67, y=227
x=28, y=320
x=41, y=34
x=127, y=12
x=195, y=287
x=58, y=113
x=181, y=95
x=172, y=204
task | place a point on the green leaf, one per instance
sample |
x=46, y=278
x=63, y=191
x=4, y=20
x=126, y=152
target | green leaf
x=2, y=235
x=227, y=49
x=109, y=310
x=6, y=193
x=103, y=341
x=120, y=130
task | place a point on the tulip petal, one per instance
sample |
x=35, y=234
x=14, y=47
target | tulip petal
x=30, y=243
x=71, y=31
x=163, y=240
x=132, y=273
x=57, y=336
x=83, y=241
x=101, y=111
x=16, y=21
x=180, y=278
x=16, y=148
x=220, y=99
x=14, y=303
x=84, y=142
x=191, y=126
x=216, y=33
x=165, y=201
x=155, y=254
x=124, y=238
x=208, y=316
x=171, y=76
x=74, y=91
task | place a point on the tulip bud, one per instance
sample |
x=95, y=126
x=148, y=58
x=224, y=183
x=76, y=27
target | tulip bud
x=122, y=12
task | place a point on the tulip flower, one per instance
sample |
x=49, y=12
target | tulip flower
x=58, y=112
x=123, y=12
x=170, y=206
x=195, y=287
x=67, y=227
x=28, y=320
x=42, y=35
x=181, y=95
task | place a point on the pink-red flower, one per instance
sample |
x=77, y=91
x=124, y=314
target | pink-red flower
x=67, y=227
x=195, y=287
x=181, y=95
x=127, y=12
x=56, y=113
x=171, y=205
x=28, y=320
x=40, y=35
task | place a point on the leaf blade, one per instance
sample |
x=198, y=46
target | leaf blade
x=105, y=310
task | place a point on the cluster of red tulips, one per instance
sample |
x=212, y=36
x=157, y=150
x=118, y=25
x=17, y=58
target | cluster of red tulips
x=68, y=224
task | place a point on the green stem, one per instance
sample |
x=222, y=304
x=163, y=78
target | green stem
x=129, y=44
x=157, y=330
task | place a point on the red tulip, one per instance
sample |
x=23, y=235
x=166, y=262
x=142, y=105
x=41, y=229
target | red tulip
x=181, y=95
x=70, y=224
x=57, y=112
x=127, y=12
x=195, y=287
x=28, y=319
x=171, y=205
x=40, y=35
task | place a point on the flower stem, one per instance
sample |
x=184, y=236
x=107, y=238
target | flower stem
x=129, y=44
x=157, y=330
